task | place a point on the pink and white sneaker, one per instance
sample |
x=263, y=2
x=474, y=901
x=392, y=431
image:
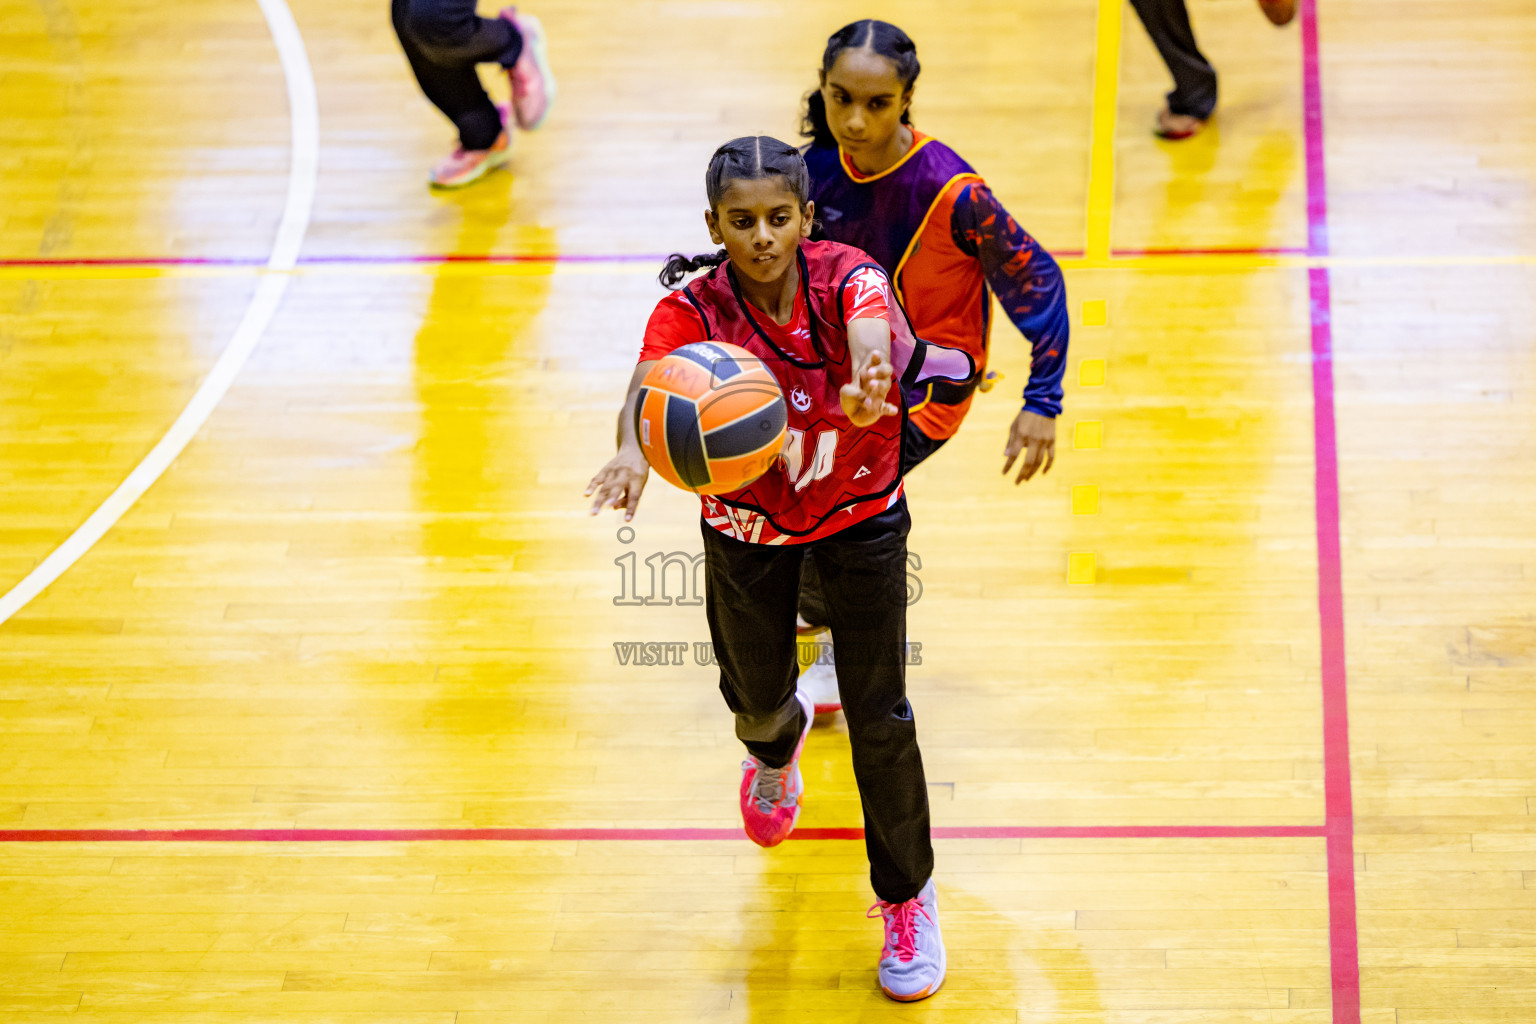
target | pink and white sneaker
x=533, y=85
x=912, y=962
x=770, y=797
x=467, y=165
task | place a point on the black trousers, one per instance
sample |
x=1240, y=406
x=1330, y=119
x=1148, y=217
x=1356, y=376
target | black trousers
x=444, y=40
x=749, y=599
x=915, y=447
x=1194, y=80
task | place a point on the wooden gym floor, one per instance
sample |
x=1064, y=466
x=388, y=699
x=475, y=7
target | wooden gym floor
x=1231, y=719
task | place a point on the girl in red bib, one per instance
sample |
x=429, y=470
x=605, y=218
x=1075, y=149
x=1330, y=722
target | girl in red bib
x=823, y=318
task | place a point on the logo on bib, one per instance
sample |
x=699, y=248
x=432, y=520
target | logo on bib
x=799, y=399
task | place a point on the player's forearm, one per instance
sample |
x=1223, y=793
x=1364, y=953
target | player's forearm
x=1033, y=293
x=865, y=338
x=626, y=425
x=1048, y=333
x=1028, y=284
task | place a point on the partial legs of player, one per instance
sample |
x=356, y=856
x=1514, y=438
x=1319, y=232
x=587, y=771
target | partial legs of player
x=750, y=597
x=444, y=40
x=818, y=680
x=1193, y=99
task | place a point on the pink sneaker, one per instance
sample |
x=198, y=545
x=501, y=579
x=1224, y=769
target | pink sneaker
x=466, y=165
x=533, y=86
x=770, y=797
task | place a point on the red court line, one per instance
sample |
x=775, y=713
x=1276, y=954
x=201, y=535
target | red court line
x=524, y=835
x=1343, y=932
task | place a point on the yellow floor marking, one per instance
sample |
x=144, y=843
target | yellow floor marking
x=1101, y=159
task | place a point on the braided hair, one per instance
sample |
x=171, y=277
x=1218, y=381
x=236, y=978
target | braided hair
x=745, y=159
x=879, y=37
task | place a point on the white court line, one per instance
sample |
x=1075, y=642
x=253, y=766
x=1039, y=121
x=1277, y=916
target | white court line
x=304, y=117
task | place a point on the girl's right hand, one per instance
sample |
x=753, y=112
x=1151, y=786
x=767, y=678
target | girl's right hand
x=620, y=483
x=863, y=398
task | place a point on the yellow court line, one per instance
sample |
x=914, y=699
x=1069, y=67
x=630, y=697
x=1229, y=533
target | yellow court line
x=1101, y=156
x=101, y=273
x=1191, y=263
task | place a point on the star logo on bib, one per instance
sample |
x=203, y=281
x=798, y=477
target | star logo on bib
x=870, y=282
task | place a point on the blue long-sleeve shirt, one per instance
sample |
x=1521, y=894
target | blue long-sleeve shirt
x=1028, y=284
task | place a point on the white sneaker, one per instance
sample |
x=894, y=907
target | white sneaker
x=819, y=683
x=818, y=680
x=912, y=961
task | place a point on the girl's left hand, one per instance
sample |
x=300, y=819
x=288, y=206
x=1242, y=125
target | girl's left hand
x=864, y=397
x=1034, y=436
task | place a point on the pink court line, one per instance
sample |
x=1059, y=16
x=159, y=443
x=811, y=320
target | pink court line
x=525, y=835
x=333, y=259
x=1343, y=933
x=1213, y=251
x=388, y=259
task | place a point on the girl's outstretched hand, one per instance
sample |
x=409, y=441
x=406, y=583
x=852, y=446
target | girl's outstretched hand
x=619, y=484
x=864, y=397
x=1037, y=434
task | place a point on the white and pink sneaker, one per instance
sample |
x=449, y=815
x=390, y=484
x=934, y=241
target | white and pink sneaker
x=818, y=680
x=912, y=961
x=770, y=797
x=533, y=85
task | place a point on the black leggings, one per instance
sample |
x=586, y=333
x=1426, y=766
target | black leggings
x=749, y=599
x=1194, y=80
x=444, y=40
x=915, y=447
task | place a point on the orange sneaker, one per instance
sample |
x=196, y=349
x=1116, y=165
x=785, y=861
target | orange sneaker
x=468, y=165
x=533, y=85
x=770, y=797
x=1279, y=12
